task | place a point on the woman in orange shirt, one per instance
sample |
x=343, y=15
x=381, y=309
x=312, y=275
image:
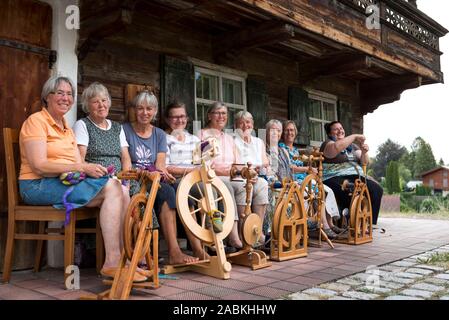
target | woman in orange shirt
x=48, y=149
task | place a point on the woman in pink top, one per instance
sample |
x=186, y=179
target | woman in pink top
x=217, y=117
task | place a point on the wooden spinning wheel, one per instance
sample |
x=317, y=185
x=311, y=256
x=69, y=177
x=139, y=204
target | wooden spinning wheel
x=138, y=234
x=199, y=220
x=289, y=230
x=360, y=229
x=312, y=189
x=251, y=226
x=214, y=192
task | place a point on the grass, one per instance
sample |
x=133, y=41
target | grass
x=443, y=215
x=437, y=259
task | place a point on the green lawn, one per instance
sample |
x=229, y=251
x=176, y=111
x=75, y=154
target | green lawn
x=442, y=215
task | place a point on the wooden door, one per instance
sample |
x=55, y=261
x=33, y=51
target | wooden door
x=25, y=42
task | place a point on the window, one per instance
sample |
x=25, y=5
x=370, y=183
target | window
x=323, y=109
x=431, y=183
x=213, y=85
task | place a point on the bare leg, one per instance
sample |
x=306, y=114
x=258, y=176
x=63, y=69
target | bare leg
x=197, y=248
x=110, y=201
x=233, y=237
x=167, y=221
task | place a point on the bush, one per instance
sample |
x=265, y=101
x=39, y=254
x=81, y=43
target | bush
x=423, y=191
x=429, y=206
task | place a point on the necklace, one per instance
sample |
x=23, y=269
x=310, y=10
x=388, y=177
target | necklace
x=102, y=125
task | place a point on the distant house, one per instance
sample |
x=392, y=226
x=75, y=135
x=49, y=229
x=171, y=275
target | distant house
x=437, y=179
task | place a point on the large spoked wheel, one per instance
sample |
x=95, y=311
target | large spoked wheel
x=195, y=218
x=133, y=223
x=285, y=214
x=313, y=196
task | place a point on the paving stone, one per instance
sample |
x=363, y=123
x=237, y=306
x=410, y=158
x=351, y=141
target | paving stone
x=338, y=298
x=408, y=275
x=444, y=298
x=360, y=295
x=391, y=285
x=375, y=289
x=427, y=287
x=403, y=263
x=335, y=286
x=401, y=280
x=301, y=296
x=402, y=298
x=424, y=272
x=417, y=293
x=319, y=292
x=351, y=282
x=437, y=281
x=430, y=267
x=362, y=276
x=444, y=276
x=391, y=268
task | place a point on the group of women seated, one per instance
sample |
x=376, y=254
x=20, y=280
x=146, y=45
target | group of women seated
x=49, y=148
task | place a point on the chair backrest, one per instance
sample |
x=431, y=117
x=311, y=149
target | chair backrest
x=11, y=138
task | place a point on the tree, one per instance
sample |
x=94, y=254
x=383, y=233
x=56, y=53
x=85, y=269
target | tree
x=392, y=177
x=424, y=158
x=441, y=162
x=387, y=151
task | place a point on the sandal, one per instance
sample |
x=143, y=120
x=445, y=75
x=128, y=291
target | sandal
x=330, y=234
x=338, y=230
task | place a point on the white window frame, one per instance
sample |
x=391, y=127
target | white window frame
x=220, y=72
x=322, y=97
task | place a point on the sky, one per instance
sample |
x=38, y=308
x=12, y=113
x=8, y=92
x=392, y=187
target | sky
x=423, y=111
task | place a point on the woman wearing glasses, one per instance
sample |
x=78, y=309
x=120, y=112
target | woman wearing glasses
x=217, y=118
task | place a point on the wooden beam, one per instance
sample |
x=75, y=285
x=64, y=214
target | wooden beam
x=333, y=66
x=344, y=37
x=234, y=43
x=179, y=14
x=96, y=28
x=391, y=84
x=374, y=93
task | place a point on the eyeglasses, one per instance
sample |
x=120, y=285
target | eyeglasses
x=61, y=93
x=182, y=118
x=216, y=113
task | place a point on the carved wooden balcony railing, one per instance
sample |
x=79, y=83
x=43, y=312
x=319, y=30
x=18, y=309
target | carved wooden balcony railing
x=403, y=16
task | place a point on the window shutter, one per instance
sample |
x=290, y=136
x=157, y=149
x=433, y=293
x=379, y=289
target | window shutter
x=344, y=110
x=298, y=111
x=178, y=84
x=257, y=102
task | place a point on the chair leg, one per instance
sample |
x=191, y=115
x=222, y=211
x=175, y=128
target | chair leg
x=69, y=243
x=39, y=247
x=99, y=246
x=9, y=250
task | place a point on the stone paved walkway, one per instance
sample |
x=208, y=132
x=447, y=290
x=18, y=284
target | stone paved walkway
x=407, y=279
x=403, y=238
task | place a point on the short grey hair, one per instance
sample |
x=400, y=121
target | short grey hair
x=93, y=90
x=271, y=123
x=242, y=115
x=52, y=84
x=216, y=105
x=145, y=97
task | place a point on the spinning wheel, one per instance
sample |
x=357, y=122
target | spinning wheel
x=289, y=230
x=137, y=235
x=200, y=220
x=312, y=189
x=196, y=220
x=251, y=226
x=360, y=229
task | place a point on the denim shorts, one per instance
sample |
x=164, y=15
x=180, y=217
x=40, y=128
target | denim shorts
x=166, y=193
x=50, y=191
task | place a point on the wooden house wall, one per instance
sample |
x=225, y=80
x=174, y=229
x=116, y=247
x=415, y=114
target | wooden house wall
x=133, y=56
x=438, y=179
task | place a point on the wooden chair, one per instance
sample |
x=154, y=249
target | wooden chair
x=21, y=212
